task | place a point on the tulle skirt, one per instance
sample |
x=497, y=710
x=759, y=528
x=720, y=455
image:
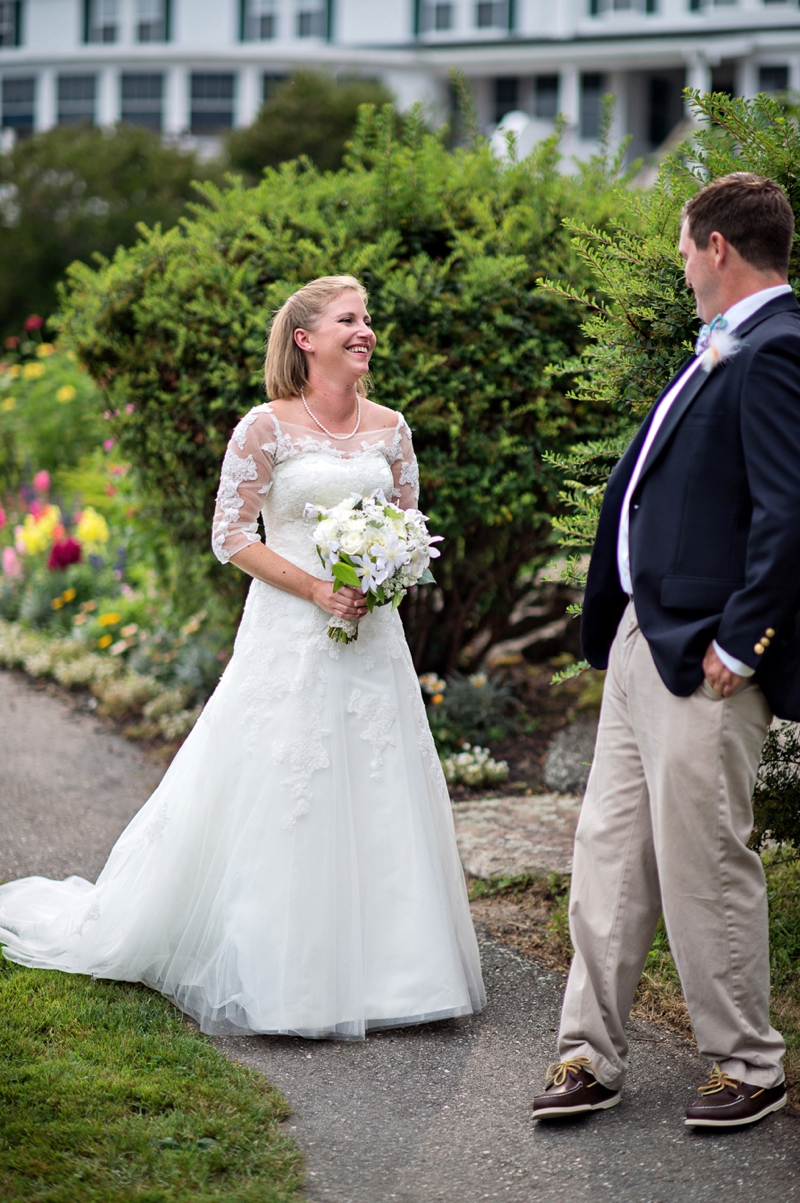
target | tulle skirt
x=296, y=870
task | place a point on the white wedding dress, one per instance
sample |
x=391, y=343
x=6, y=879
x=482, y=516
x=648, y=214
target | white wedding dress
x=296, y=870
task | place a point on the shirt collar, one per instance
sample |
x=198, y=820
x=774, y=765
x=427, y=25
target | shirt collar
x=744, y=309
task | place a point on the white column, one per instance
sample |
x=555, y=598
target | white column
x=248, y=96
x=107, y=105
x=618, y=84
x=794, y=73
x=569, y=96
x=176, y=101
x=698, y=74
x=46, y=108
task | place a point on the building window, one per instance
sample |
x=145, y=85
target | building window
x=438, y=17
x=506, y=96
x=270, y=82
x=152, y=20
x=212, y=103
x=545, y=97
x=592, y=90
x=773, y=79
x=10, y=23
x=492, y=14
x=76, y=99
x=312, y=22
x=142, y=99
x=661, y=109
x=259, y=20
x=19, y=105
x=101, y=21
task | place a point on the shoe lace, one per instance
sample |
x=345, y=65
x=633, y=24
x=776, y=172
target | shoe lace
x=718, y=1080
x=557, y=1072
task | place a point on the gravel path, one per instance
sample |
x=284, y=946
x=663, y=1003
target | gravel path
x=440, y=1112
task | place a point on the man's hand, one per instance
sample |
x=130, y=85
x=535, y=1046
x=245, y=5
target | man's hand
x=720, y=678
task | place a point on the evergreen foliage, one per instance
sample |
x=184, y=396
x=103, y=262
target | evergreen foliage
x=449, y=246
x=75, y=190
x=641, y=325
x=312, y=114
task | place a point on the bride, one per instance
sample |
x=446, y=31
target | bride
x=296, y=870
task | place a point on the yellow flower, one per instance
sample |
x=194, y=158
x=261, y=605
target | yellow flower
x=65, y=393
x=109, y=620
x=36, y=536
x=105, y=640
x=33, y=371
x=57, y=603
x=9, y=403
x=92, y=528
x=437, y=699
x=13, y=371
x=68, y=595
x=45, y=349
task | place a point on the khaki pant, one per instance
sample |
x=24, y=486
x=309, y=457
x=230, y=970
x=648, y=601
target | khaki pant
x=664, y=826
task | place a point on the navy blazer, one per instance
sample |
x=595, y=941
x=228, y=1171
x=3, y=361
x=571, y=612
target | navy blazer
x=714, y=521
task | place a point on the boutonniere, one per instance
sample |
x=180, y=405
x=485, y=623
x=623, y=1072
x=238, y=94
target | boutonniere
x=716, y=343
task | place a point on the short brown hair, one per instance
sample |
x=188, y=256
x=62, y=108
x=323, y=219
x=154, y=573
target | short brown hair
x=750, y=212
x=285, y=367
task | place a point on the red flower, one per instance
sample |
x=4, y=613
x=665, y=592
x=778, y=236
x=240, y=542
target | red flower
x=64, y=553
x=34, y=322
x=11, y=342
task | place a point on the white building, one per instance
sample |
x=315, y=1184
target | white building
x=197, y=67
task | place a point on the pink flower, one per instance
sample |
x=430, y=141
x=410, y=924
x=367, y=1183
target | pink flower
x=41, y=482
x=36, y=509
x=3, y=519
x=64, y=553
x=11, y=565
x=107, y=414
x=108, y=444
x=34, y=322
x=129, y=408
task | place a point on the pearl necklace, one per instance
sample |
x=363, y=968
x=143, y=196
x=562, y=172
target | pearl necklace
x=330, y=433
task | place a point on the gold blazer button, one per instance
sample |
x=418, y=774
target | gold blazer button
x=764, y=641
x=759, y=649
x=769, y=633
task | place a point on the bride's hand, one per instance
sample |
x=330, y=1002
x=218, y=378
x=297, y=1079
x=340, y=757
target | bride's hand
x=346, y=603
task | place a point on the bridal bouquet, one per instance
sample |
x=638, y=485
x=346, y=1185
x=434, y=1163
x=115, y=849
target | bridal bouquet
x=372, y=545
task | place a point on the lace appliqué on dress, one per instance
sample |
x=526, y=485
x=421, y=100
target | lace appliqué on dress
x=235, y=471
x=380, y=714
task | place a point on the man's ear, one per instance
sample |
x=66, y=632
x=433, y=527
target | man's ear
x=302, y=340
x=720, y=246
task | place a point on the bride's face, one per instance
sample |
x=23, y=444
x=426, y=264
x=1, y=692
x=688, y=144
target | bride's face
x=342, y=341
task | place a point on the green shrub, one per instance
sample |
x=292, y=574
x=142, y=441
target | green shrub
x=449, y=245
x=75, y=191
x=311, y=113
x=466, y=710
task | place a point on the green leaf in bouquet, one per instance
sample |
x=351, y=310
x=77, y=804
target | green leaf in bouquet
x=369, y=598
x=345, y=574
x=427, y=578
x=398, y=597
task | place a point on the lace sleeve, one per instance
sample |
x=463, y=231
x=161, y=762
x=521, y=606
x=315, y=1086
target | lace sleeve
x=404, y=468
x=245, y=480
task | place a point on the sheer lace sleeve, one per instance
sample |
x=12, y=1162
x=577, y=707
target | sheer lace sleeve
x=245, y=480
x=404, y=468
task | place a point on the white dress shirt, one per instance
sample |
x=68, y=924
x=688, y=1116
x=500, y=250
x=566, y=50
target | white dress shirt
x=735, y=316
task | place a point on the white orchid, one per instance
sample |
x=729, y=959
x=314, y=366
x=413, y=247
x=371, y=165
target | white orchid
x=372, y=576
x=392, y=554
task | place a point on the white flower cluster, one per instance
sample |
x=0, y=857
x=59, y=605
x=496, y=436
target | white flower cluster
x=473, y=766
x=371, y=544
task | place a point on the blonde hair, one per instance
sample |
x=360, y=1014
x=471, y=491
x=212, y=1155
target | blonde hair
x=285, y=367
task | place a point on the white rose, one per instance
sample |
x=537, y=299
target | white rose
x=352, y=542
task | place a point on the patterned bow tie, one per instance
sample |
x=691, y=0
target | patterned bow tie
x=704, y=337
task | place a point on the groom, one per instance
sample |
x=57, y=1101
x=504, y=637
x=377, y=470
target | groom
x=693, y=604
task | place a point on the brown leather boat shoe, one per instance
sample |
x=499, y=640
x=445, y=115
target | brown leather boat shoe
x=728, y=1103
x=572, y=1089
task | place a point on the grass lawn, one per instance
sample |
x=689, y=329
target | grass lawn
x=107, y=1095
x=531, y=914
